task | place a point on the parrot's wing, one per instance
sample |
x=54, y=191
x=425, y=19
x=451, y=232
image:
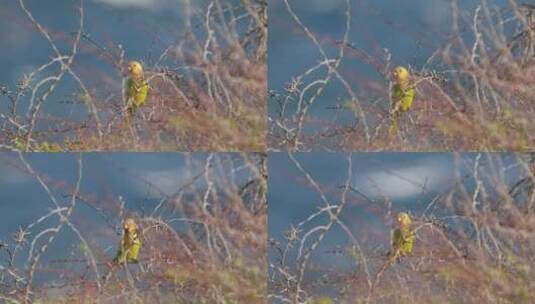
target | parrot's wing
x=120, y=256
x=130, y=88
x=397, y=98
x=397, y=92
x=130, y=92
x=397, y=239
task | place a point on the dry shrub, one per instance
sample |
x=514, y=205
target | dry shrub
x=208, y=89
x=474, y=242
x=205, y=243
x=475, y=92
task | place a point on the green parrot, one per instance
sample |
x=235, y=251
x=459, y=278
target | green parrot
x=402, y=237
x=322, y=300
x=130, y=245
x=402, y=96
x=137, y=88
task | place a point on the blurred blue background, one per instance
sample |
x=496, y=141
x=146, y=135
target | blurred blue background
x=144, y=28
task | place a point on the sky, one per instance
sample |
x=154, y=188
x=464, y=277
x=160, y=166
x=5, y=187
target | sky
x=142, y=27
x=410, y=30
x=408, y=181
x=134, y=24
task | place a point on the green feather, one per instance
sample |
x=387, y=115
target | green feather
x=128, y=250
x=402, y=96
x=136, y=94
x=402, y=242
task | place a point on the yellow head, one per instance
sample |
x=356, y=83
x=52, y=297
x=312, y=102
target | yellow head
x=401, y=75
x=135, y=69
x=404, y=220
x=130, y=226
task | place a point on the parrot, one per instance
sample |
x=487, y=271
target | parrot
x=402, y=95
x=137, y=88
x=130, y=244
x=402, y=237
x=322, y=300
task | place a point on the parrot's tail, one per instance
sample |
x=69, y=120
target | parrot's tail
x=131, y=110
x=393, y=130
x=128, y=122
x=129, y=115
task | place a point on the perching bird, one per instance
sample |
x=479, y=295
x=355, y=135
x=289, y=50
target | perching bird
x=137, y=88
x=402, y=95
x=322, y=300
x=402, y=237
x=130, y=245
